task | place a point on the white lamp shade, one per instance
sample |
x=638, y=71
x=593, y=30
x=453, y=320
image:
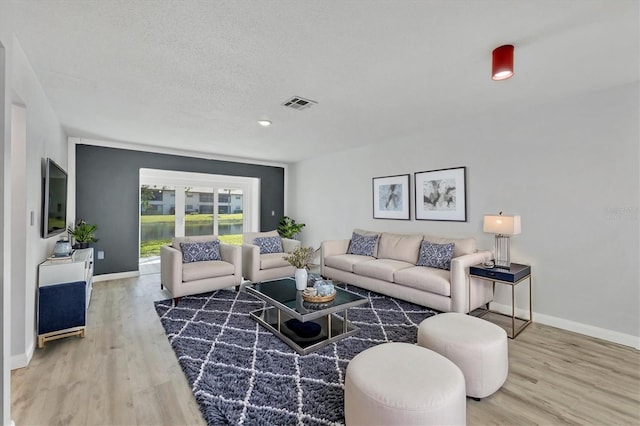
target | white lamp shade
x=503, y=225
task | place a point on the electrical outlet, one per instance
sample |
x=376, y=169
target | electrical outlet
x=100, y=255
x=273, y=213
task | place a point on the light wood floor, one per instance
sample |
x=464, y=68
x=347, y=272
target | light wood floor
x=124, y=372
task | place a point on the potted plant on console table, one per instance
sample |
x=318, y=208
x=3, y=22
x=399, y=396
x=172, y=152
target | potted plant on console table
x=83, y=234
x=299, y=258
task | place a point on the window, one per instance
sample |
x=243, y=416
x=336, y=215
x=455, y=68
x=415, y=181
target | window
x=206, y=197
x=196, y=204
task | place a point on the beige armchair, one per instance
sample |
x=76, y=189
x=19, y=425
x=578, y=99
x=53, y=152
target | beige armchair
x=183, y=279
x=258, y=267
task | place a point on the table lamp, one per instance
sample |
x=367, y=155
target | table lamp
x=503, y=226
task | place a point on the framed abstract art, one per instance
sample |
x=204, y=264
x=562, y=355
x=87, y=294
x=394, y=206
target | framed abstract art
x=391, y=197
x=441, y=195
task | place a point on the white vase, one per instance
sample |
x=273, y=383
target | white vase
x=301, y=279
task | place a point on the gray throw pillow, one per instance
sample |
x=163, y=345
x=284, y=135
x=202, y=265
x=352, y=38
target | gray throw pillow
x=362, y=245
x=199, y=252
x=435, y=255
x=269, y=244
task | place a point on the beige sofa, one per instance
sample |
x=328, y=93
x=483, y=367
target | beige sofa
x=183, y=279
x=258, y=267
x=392, y=270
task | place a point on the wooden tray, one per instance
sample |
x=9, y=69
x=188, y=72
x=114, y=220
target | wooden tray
x=319, y=299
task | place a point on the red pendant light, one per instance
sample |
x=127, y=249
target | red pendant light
x=502, y=66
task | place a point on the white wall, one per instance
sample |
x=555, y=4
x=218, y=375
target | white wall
x=569, y=168
x=5, y=226
x=5, y=217
x=19, y=253
x=44, y=138
x=38, y=134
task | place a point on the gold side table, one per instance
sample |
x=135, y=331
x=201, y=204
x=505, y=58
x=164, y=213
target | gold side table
x=512, y=277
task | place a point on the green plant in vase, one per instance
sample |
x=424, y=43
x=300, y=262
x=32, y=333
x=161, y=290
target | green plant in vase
x=288, y=228
x=83, y=233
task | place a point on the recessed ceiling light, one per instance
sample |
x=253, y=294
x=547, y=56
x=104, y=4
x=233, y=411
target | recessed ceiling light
x=265, y=123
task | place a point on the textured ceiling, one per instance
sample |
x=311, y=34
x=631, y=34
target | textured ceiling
x=197, y=75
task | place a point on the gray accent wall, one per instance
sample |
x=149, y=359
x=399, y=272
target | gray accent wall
x=107, y=194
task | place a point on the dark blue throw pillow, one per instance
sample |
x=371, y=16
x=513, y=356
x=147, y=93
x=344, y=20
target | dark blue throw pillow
x=199, y=252
x=435, y=255
x=269, y=244
x=362, y=245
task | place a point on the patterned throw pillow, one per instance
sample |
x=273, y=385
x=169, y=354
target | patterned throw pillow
x=269, y=244
x=362, y=245
x=199, y=252
x=435, y=255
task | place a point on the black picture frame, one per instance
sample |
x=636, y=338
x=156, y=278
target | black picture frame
x=441, y=194
x=392, y=197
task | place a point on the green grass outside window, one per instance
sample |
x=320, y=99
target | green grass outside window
x=152, y=247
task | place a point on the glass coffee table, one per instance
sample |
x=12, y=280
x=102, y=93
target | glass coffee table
x=304, y=326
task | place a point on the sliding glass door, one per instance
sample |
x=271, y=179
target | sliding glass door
x=230, y=219
x=157, y=218
x=193, y=204
x=198, y=211
x=216, y=211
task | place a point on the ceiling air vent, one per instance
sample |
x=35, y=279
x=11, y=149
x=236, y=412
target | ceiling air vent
x=299, y=103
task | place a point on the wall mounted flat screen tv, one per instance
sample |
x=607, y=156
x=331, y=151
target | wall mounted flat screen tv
x=54, y=205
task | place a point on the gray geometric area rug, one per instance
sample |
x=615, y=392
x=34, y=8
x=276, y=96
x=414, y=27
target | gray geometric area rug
x=241, y=374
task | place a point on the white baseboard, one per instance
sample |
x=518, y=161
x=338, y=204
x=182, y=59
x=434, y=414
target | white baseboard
x=576, y=327
x=116, y=276
x=19, y=361
x=23, y=359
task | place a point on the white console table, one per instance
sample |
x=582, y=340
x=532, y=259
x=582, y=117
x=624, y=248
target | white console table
x=64, y=293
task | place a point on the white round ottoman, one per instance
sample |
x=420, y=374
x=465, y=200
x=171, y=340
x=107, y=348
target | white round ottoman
x=478, y=347
x=403, y=384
